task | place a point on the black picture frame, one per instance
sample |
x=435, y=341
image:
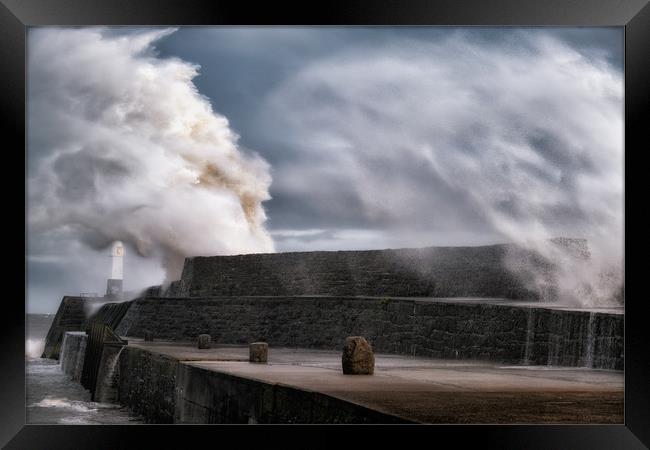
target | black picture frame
x=634, y=15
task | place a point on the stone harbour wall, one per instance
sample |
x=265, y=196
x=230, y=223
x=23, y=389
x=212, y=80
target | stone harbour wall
x=206, y=396
x=146, y=384
x=503, y=270
x=70, y=316
x=440, y=329
x=73, y=351
x=76, y=314
x=164, y=390
x=109, y=314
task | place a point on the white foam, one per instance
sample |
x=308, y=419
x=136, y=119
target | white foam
x=75, y=405
x=34, y=347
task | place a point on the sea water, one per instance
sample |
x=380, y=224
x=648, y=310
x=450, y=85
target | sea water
x=53, y=398
x=51, y=395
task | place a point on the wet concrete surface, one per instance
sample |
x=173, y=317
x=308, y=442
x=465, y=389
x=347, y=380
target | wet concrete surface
x=426, y=390
x=526, y=304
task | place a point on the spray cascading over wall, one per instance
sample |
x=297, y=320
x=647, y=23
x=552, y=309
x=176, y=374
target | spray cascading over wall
x=493, y=271
x=516, y=140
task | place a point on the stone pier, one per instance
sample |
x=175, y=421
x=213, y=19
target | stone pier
x=172, y=382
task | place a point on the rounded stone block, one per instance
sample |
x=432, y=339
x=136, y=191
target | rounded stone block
x=258, y=352
x=204, y=341
x=148, y=336
x=358, y=358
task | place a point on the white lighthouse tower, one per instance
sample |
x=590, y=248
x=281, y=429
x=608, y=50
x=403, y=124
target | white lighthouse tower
x=114, y=283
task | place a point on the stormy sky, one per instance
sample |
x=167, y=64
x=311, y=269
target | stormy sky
x=327, y=139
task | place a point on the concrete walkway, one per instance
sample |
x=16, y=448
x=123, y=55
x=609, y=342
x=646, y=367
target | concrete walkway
x=426, y=390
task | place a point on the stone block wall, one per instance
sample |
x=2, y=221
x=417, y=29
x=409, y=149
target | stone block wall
x=109, y=314
x=69, y=317
x=108, y=374
x=75, y=314
x=164, y=390
x=206, y=396
x=504, y=271
x=440, y=329
x=146, y=384
x=73, y=351
x=574, y=338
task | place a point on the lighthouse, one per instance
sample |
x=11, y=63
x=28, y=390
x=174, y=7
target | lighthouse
x=114, y=283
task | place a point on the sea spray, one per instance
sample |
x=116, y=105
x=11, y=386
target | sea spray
x=62, y=350
x=590, y=340
x=108, y=390
x=530, y=335
x=34, y=347
x=53, y=398
x=522, y=145
x=138, y=155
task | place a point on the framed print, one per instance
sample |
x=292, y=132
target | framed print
x=350, y=217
